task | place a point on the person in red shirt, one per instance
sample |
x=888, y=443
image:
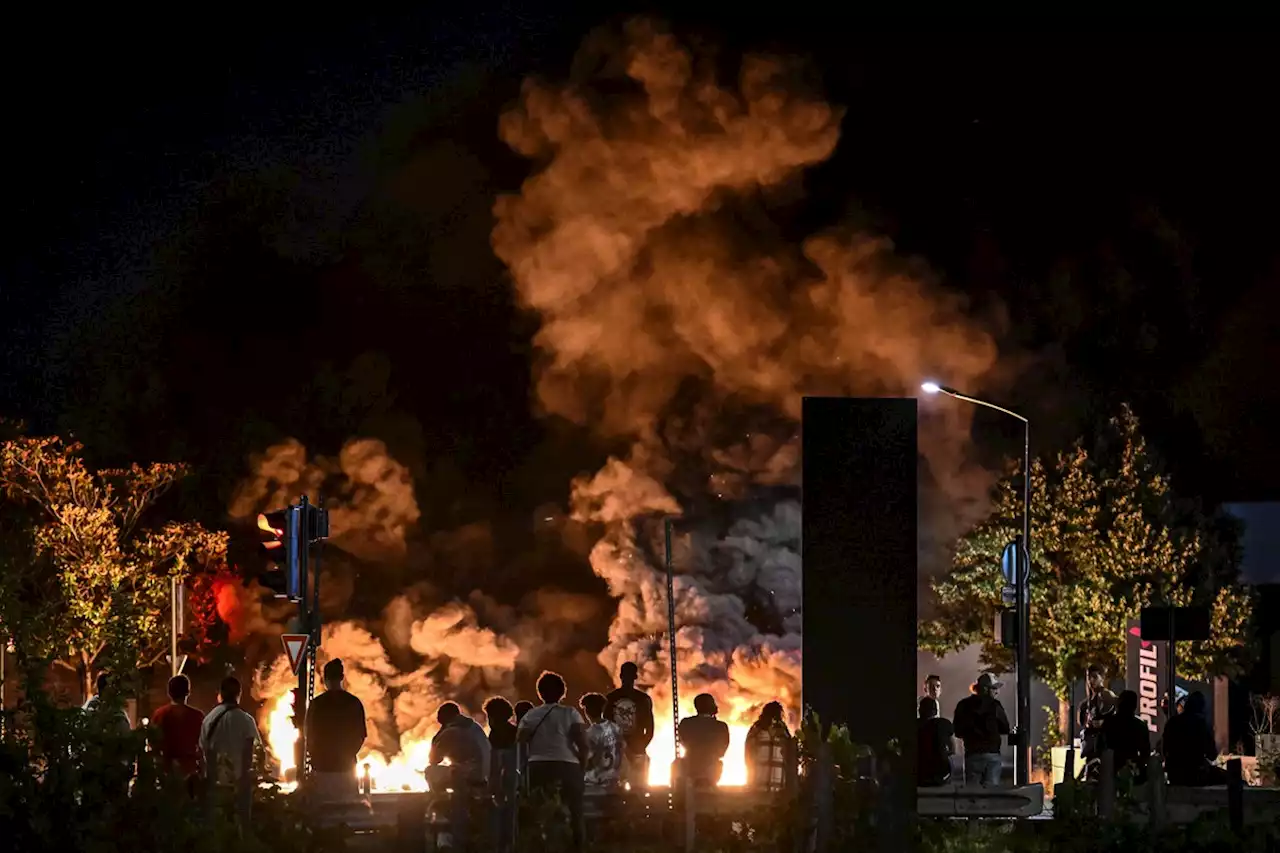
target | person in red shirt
x=179, y=727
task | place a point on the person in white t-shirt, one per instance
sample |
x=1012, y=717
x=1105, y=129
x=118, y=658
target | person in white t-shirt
x=604, y=744
x=555, y=737
x=228, y=738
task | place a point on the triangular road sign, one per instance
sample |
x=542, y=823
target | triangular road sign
x=295, y=646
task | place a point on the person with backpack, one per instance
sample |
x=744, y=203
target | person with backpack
x=555, y=736
x=981, y=724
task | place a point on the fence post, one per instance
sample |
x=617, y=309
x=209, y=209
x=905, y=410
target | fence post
x=1235, y=794
x=1156, y=791
x=690, y=816
x=1107, y=784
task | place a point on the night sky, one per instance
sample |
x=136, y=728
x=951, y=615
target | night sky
x=223, y=236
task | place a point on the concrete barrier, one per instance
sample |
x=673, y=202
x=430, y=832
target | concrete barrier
x=976, y=801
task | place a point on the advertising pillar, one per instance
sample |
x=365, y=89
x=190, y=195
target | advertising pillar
x=1146, y=674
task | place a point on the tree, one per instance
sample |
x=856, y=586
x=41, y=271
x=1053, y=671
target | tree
x=1108, y=537
x=94, y=579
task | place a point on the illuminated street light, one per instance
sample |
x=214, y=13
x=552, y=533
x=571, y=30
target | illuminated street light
x=1022, y=759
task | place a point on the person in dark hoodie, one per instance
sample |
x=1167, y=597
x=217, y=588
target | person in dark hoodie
x=933, y=745
x=981, y=723
x=1127, y=736
x=1189, y=749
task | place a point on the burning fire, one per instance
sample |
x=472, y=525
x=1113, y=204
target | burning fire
x=404, y=771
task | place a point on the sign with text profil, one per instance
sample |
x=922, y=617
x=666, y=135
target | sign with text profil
x=295, y=647
x=1146, y=673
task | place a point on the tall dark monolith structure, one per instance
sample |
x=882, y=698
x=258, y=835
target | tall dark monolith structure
x=859, y=550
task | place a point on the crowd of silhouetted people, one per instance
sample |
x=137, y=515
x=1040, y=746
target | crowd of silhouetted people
x=598, y=747
x=1107, y=723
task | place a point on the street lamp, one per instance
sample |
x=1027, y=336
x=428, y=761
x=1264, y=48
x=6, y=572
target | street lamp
x=1022, y=757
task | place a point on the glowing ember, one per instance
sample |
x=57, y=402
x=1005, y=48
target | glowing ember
x=404, y=771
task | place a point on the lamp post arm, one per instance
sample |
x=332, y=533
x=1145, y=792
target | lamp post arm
x=978, y=402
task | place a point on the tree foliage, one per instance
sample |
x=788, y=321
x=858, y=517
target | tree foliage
x=1108, y=537
x=91, y=566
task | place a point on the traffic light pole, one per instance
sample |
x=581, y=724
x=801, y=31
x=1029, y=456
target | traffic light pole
x=305, y=669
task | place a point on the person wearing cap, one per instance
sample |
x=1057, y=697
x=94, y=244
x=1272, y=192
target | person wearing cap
x=981, y=724
x=336, y=730
x=631, y=710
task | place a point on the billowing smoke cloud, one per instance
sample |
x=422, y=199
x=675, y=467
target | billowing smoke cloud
x=369, y=494
x=421, y=653
x=675, y=316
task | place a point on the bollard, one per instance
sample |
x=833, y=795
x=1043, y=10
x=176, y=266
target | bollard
x=1107, y=785
x=1235, y=794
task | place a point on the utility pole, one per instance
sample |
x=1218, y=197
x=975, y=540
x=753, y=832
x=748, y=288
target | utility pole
x=671, y=636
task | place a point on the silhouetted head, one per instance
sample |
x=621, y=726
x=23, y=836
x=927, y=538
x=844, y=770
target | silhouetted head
x=103, y=683
x=551, y=687
x=1195, y=702
x=523, y=707
x=448, y=712
x=229, y=690
x=179, y=689
x=705, y=703
x=771, y=712
x=628, y=674
x=1127, y=705
x=498, y=710
x=928, y=708
x=593, y=705
x=333, y=674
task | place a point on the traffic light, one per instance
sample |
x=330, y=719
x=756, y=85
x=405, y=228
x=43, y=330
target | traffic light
x=1007, y=628
x=315, y=523
x=283, y=550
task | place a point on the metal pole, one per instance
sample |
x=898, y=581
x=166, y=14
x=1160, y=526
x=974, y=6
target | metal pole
x=671, y=634
x=304, y=668
x=173, y=627
x=1022, y=761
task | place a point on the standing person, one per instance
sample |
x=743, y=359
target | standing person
x=465, y=747
x=705, y=740
x=1099, y=702
x=1189, y=750
x=557, y=745
x=771, y=757
x=631, y=710
x=106, y=709
x=933, y=688
x=503, y=767
x=108, y=701
x=336, y=730
x=1126, y=735
x=603, y=766
x=228, y=738
x=178, y=725
x=981, y=723
x=934, y=745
